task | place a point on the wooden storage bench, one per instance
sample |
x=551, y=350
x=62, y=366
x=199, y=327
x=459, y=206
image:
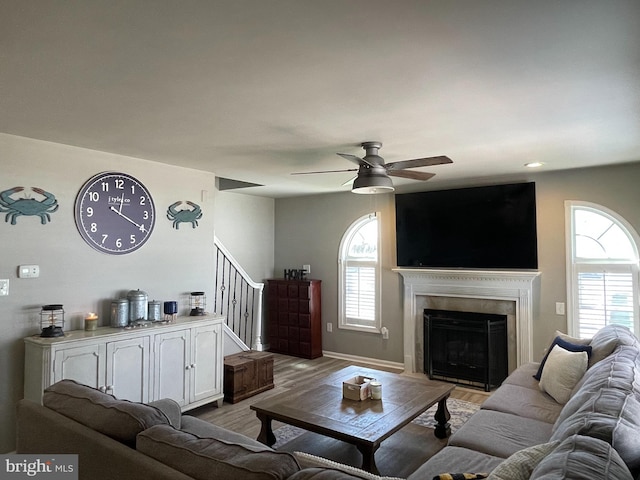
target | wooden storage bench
x=247, y=374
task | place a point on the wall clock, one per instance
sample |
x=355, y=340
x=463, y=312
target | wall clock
x=114, y=213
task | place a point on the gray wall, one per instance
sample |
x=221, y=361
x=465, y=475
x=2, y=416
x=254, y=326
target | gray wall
x=245, y=226
x=309, y=230
x=171, y=264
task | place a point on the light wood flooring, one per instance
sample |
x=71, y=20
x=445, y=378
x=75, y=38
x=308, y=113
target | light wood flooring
x=291, y=373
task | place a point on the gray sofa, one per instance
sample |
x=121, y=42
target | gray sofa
x=127, y=440
x=520, y=432
x=523, y=432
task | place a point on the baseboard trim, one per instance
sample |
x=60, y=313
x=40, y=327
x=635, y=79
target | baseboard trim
x=370, y=361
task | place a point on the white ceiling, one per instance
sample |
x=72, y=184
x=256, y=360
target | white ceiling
x=256, y=89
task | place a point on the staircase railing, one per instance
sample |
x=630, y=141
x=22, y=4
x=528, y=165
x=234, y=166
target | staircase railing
x=238, y=298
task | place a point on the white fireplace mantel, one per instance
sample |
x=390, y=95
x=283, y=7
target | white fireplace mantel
x=516, y=286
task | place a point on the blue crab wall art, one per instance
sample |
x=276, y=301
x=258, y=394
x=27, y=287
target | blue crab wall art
x=185, y=215
x=16, y=207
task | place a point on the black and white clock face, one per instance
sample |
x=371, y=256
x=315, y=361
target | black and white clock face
x=114, y=213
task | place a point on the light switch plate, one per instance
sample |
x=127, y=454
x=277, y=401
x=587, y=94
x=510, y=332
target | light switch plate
x=4, y=287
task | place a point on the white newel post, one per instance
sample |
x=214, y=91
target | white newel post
x=257, y=344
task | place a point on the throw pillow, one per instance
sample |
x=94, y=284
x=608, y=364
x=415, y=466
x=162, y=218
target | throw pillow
x=520, y=465
x=575, y=340
x=562, y=371
x=572, y=347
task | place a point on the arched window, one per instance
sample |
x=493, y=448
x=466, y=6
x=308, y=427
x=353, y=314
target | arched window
x=359, y=276
x=603, y=266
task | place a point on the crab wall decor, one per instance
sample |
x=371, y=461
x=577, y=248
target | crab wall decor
x=185, y=215
x=16, y=207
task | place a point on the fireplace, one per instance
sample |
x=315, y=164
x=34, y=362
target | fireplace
x=465, y=347
x=437, y=288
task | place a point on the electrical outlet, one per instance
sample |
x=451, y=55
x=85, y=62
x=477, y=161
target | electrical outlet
x=329, y=327
x=4, y=287
x=385, y=333
x=560, y=308
x=307, y=268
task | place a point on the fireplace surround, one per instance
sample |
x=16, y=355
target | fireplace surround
x=517, y=288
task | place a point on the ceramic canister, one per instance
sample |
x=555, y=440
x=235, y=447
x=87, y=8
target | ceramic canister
x=120, y=313
x=170, y=308
x=155, y=311
x=137, y=305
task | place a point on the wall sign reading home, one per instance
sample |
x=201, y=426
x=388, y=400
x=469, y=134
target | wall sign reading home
x=114, y=213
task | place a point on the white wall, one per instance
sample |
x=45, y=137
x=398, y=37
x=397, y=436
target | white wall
x=169, y=266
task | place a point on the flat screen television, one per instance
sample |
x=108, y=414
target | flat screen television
x=480, y=227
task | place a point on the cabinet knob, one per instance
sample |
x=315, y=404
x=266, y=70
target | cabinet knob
x=193, y=365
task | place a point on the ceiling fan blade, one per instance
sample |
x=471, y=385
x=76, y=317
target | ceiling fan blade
x=326, y=171
x=355, y=159
x=411, y=174
x=418, y=162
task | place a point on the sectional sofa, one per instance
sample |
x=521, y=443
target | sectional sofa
x=521, y=431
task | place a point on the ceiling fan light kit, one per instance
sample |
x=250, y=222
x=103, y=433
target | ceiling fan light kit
x=370, y=182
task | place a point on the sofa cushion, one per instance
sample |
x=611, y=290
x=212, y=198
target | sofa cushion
x=524, y=402
x=619, y=371
x=207, y=458
x=607, y=339
x=458, y=459
x=520, y=465
x=610, y=415
x=579, y=457
x=507, y=433
x=571, y=347
x=202, y=428
x=562, y=371
x=121, y=420
x=523, y=376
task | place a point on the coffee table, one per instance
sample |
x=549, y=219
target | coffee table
x=322, y=409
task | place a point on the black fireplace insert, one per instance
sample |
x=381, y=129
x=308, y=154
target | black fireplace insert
x=466, y=346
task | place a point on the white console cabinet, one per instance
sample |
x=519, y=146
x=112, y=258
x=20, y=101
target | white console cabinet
x=182, y=360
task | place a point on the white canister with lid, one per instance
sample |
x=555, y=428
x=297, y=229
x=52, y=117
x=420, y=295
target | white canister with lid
x=120, y=313
x=155, y=311
x=137, y=305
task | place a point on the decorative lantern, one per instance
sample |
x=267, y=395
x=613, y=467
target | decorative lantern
x=52, y=320
x=198, y=303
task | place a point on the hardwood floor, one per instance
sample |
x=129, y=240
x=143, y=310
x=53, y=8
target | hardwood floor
x=291, y=373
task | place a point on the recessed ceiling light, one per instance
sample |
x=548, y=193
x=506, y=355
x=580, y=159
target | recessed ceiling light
x=533, y=164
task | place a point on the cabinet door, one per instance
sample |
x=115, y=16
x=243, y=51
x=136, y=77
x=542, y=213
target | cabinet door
x=84, y=364
x=128, y=369
x=206, y=345
x=172, y=366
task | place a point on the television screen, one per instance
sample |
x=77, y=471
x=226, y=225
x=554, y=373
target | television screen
x=478, y=227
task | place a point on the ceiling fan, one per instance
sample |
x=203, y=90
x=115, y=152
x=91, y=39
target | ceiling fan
x=373, y=173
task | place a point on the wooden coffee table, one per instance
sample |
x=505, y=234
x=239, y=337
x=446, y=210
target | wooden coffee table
x=365, y=424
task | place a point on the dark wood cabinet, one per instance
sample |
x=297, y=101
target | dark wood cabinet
x=294, y=319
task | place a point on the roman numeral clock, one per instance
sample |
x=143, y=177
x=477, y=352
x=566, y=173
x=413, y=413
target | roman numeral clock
x=114, y=213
